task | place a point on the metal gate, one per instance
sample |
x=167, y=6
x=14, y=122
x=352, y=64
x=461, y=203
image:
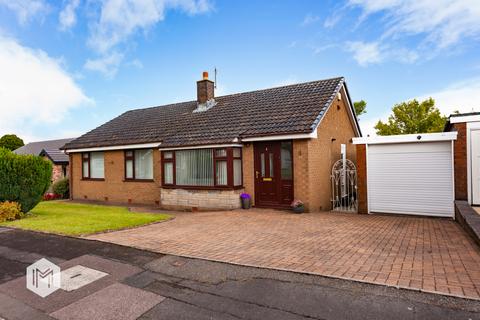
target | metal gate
x=344, y=186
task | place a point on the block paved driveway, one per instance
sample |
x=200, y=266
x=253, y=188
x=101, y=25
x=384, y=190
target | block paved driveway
x=428, y=254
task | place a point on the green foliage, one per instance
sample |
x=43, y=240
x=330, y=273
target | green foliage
x=11, y=142
x=23, y=179
x=61, y=187
x=360, y=107
x=10, y=211
x=413, y=117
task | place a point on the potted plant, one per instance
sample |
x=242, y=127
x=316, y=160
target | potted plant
x=246, y=200
x=298, y=206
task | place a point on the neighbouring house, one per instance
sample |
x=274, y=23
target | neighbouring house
x=50, y=150
x=276, y=144
x=466, y=156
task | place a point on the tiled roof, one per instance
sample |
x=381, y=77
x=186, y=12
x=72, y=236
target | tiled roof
x=51, y=147
x=284, y=110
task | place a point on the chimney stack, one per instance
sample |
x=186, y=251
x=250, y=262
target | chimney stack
x=205, y=90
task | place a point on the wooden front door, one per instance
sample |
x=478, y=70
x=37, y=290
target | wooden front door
x=273, y=174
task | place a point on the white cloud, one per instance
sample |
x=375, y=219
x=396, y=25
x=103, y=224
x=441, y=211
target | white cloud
x=119, y=19
x=26, y=9
x=463, y=96
x=67, y=16
x=107, y=64
x=34, y=88
x=309, y=19
x=368, y=53
x=285, y=82
x=365, y=53
x=443, y=22
x=332, y=21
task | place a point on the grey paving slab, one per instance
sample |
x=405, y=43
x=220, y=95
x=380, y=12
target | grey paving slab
x=4, y=229
x=78, y=276
x=116, y=271
x=116, y=302
x=175, y=310
x=13, y=309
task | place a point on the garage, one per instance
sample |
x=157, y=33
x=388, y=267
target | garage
x=409, y=174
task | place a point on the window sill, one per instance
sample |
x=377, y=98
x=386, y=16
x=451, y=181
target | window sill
x=93, y=179
x=225, y=188
x=138, y=180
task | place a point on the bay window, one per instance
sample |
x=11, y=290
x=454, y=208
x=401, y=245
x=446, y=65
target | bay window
x=139, y=164
x=203, y=168
x=93, y=165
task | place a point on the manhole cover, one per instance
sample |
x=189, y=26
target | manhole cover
x=79, y=276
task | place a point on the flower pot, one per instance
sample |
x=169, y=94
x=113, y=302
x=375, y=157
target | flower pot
x=300, y=209
x=246, y=203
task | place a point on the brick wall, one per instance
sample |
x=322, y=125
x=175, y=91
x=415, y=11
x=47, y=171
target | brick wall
x=314, y=158
x=114, y=189
x=362, y=178
x=301, y=186
x=248, y=170
x=460, y=161
x=180, y=199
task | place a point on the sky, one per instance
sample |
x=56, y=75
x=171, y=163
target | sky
x=68, y=66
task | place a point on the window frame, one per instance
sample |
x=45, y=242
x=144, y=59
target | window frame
x=89, y=164
x=229, y=157
x=132, y=158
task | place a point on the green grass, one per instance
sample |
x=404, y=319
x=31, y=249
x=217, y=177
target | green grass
x=80, y=219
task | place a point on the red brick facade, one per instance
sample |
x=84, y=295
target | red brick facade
x=362, y=195
x=460, y=161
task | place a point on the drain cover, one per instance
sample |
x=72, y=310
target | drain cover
x=79, y=276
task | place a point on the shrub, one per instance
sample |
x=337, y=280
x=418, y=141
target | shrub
x=61, y=188
x=10, y=211
x=23, y=179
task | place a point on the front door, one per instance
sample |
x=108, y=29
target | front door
x=475, y=145
x=273, y=174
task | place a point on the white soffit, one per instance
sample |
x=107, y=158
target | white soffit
x=312, y=135
x=121, y=147
x=406, y=138
x=472, y=118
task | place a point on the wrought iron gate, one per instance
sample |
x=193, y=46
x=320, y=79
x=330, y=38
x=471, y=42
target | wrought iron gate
x=344, y=186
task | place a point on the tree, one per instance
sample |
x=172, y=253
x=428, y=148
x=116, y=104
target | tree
x=360, y=107
x=413, y=117
x=11, y=142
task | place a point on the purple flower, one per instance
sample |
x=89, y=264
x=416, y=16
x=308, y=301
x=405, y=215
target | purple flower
x=297, y=204
x=245, y=195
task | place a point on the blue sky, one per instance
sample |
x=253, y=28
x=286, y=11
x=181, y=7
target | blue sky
x=69, y=66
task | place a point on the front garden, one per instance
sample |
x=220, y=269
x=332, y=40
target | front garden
x=74, y=219
x=24, y=181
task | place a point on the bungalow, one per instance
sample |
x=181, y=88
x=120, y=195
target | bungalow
x=50, y=150
x=276, y=144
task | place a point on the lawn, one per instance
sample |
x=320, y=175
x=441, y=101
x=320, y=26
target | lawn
x=80, y=219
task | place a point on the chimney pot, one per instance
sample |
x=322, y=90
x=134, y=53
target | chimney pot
x=205, y=89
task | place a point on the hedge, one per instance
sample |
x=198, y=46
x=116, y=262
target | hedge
x=61, y=187
x=23, y=178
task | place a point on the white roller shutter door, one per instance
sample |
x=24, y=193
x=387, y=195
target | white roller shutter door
x=411, y=178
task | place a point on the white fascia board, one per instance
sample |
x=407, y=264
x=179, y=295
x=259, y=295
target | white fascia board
x=207, y=146
x=111, y=148
x=405, y=138
x=312, y=135
x=473, y=118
